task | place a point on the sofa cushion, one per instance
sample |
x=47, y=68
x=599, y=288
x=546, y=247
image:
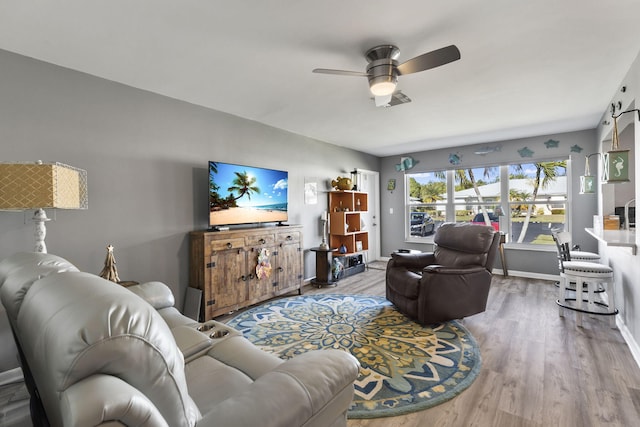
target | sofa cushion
x=204, y=371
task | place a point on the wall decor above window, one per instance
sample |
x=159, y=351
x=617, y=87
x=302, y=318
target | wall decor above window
x=406, y=163
x=487, y=149
x=525, y=152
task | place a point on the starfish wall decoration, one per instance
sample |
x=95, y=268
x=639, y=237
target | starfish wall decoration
x=525, y=152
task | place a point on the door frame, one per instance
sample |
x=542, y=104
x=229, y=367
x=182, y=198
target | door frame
x=374, y=208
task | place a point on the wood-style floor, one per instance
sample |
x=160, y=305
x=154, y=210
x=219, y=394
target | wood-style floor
x=538, y=369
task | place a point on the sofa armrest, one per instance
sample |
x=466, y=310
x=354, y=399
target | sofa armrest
x=190, y=341
x=107, y=400
x=313, y=380
x=157, y=294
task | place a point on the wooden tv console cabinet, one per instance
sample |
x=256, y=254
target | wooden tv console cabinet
x=223, y=266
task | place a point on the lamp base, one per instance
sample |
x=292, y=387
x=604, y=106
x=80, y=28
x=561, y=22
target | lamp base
x=39, y=218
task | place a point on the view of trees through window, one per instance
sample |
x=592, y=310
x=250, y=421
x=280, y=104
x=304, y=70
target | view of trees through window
x=535, y=198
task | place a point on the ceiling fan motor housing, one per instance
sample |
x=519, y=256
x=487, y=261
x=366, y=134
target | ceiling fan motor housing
x=382, y=69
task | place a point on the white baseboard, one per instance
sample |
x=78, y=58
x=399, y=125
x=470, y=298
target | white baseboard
x=527, y=274
x=628, y=338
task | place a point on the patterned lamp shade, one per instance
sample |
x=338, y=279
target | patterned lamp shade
x=42, y=186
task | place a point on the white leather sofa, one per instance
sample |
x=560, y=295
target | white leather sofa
x=95, y=353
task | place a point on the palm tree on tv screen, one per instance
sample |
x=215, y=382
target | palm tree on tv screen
x=243, y=184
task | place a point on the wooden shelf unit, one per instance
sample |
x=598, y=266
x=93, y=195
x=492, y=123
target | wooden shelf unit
x=345, y=209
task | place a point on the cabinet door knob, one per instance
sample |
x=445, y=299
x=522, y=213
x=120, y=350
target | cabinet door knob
x=229, y=245
x=289, y=238
x=280, y=269
x=262, y=241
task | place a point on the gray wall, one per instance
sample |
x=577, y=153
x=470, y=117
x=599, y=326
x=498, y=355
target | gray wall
x=146, y=157
x=531, y=261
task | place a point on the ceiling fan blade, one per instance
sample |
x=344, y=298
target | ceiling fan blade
x=340, y=72
x=430, y=60
x=396, y=98
x=399, y=98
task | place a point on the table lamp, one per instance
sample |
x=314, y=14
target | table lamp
x=40, y=186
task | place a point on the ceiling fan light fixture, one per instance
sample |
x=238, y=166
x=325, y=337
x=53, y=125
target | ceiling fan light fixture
x=382, y=88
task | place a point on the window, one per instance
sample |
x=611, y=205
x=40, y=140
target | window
x=533, y=194
x=426, y=202
x=476, y=196
x=537, y=201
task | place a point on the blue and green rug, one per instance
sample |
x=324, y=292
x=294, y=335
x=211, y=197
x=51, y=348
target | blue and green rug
x=405, y=367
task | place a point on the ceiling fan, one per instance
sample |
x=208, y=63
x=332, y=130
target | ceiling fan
x=383, y=70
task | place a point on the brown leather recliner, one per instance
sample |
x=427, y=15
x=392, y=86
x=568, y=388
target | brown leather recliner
x=450, y=283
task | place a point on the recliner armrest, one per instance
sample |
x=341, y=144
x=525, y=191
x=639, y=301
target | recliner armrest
x=105, y=399
x=412, y=261
x=441, y=269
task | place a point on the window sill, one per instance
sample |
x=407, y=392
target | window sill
x=509, y=246
x=530, y=247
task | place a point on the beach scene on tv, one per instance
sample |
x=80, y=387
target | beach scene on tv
x=244, y=194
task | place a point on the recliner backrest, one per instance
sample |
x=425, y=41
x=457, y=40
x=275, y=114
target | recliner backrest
x=19, y=271
x=17, y=274
x=464, y=244
x=74, y=325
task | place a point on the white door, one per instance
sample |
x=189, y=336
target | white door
x=369, y=182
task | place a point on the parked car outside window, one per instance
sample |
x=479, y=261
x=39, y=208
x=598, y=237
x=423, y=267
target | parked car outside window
x=495, y=222
x=422, y=224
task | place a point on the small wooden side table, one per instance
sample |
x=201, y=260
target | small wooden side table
x=127, y=283
x=323, y=267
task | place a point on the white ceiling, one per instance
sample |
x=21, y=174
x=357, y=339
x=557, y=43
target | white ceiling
x=527, y=67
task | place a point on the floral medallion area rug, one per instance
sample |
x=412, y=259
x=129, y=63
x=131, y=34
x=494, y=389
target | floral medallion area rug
x=405, y=367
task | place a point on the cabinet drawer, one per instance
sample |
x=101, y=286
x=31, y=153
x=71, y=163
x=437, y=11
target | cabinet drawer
x=226, y=244
x=292, y=237
x=259, y=240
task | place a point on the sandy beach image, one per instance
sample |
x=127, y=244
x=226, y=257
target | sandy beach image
x=246, y=215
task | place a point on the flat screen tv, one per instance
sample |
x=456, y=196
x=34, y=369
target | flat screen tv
x=241, y=194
